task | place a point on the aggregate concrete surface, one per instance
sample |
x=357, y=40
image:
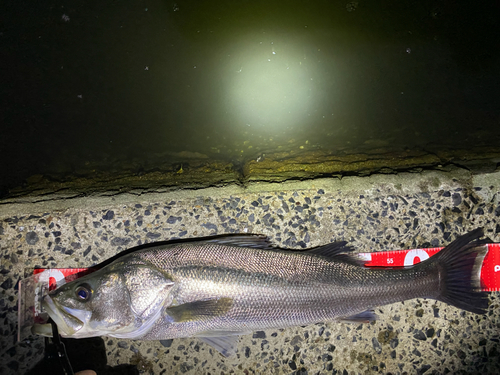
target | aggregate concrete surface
x=380, y=212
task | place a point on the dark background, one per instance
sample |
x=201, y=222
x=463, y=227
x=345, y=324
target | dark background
x=123, y=80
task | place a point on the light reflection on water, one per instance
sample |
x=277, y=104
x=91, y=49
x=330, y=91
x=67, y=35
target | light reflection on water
x=234, y=80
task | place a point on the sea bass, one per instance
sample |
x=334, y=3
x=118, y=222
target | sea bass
x=221, y=288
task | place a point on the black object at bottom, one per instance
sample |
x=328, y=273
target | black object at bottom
x=62, y=356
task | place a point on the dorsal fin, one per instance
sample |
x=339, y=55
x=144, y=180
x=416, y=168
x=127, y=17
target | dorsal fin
x=332, y=249
x=244, y=240
x=337, y=251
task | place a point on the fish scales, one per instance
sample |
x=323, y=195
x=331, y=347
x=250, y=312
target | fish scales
x=273, y=288
x=218, y=289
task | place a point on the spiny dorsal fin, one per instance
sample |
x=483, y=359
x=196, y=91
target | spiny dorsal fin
x=244, y=240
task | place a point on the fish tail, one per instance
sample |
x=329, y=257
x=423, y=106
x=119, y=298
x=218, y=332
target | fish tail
x=459, y=268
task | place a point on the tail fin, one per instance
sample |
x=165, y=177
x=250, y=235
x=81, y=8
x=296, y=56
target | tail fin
x=459, y=266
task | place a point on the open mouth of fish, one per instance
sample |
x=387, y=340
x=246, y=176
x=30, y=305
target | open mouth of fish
x=69, y=321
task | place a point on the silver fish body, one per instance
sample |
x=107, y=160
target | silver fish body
x=219, y=289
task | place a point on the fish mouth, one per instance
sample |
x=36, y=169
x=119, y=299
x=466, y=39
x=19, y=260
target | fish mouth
x=69, y=321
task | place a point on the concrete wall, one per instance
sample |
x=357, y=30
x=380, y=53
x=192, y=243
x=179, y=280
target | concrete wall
x=383, y=212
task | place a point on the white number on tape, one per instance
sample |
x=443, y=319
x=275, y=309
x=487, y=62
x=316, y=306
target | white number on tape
x=412, y=254
x=56, y=274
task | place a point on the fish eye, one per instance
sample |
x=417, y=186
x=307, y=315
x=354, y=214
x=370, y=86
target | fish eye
x=83, y=292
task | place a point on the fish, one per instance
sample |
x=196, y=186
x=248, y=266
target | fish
x=218, y=289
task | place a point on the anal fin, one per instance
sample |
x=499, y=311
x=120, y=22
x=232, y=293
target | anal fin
x=363, y=317
x=225, y=342
x=226, y=345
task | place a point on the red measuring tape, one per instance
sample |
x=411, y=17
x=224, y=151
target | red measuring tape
x=490, y=271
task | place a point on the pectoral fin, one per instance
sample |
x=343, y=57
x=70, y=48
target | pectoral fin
x=199, y=310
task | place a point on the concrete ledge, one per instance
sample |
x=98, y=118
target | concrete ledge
x=379, y=212
x=403, y=183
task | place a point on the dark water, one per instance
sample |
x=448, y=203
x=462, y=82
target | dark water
x=87, y=83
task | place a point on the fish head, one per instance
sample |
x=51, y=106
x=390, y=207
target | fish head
x=121, y=300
